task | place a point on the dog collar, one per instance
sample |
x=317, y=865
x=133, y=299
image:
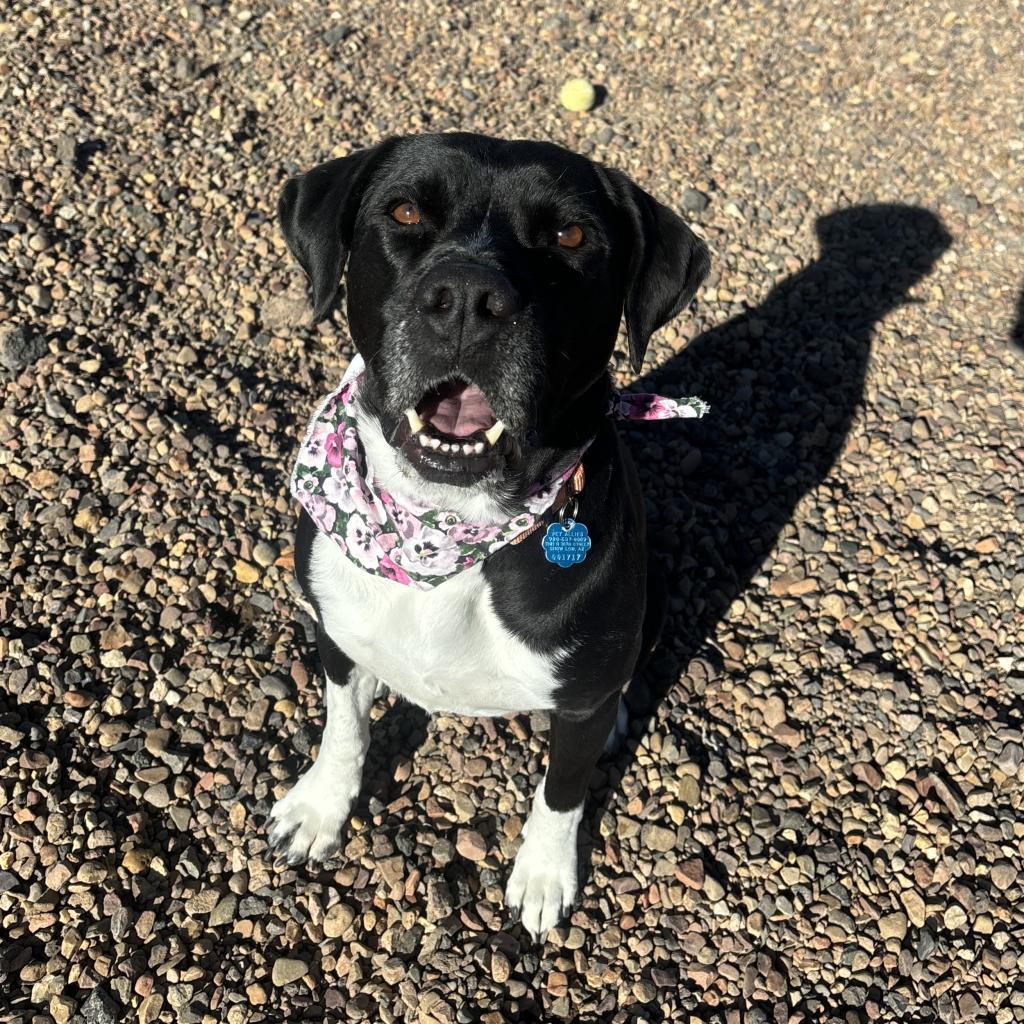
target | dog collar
x=418, y=546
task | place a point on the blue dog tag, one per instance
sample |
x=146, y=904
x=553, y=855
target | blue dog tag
x=566, y=543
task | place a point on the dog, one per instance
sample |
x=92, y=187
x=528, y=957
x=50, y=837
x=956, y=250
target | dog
x=486, y=281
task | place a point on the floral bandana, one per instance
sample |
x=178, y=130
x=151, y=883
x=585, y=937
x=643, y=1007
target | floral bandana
x=412, y=545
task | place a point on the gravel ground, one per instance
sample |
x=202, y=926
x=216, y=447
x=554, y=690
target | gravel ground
x=818, y=816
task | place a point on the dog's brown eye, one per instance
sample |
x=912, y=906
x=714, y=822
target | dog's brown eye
x=571, y=236
x=406, y=213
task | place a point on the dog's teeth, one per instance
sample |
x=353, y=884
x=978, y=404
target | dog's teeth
x=467, y=449
x=414, y=420
x=445, y=447
x=478, y=448
x=495, y=432
x=435, y=443
x=424, y=440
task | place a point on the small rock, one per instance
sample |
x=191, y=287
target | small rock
x=645, y=990
x=658, y=838
x=286, y=970
x=61, y=1008
x=893, y=926
x=688, y=791
x=713, y=889
x=265, y=554
x=338, y=920
x=19, y=348
x=471, y=844
x=39, y=297
x=691, y=873
x=694, y=201
x=100, y=1008
x=114, y=637
x=954, y=917
x=224, y=911
x=137, y=860
x=774, y=712
x=1004, y=874
x=150, y=1007
x=202, y=903
x=289, y=309
x=914, y=906
x=439, y=899
x=500, y=967
x=157, y=795
x=245, y=572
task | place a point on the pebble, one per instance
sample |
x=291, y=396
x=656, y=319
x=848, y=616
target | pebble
x=954, y=917
x=471, y=844
x=100, y=1008
x=1004, y=874
x=286, y=970
x=694, y=201
x=20, y=348
x=914, y=906
x=137, y=860
x=688, y=791
x=338, y=920
x=893, y=926
x=150, y=1008
x=264, y=554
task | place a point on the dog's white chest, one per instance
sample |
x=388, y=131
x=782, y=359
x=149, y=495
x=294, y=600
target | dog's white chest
x=444, y=649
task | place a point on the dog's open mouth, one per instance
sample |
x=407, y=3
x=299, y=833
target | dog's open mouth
x=453, y=428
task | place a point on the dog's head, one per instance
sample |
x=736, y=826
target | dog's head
x=486, y=282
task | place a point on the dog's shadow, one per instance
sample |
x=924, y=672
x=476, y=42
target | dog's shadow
x=784, y=381
x=1017, y=334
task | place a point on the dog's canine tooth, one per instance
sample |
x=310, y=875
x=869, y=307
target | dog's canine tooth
x=478, y=448
x=435, y=443
x=424, y=440
x=414, y=420
x=495, y=432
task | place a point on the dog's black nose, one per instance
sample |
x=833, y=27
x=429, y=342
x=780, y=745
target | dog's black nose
x=467, y=300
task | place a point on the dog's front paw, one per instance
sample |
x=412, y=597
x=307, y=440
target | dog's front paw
x=306, y=823
x=542, y=886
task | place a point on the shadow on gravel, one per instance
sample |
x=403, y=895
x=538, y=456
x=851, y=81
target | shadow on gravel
x=1017, y=334
x=784, y=381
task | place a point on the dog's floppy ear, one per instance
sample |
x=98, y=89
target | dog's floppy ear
x=666, y=265
x=317, y=211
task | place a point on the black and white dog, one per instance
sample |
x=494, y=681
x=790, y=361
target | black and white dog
x=496, y=273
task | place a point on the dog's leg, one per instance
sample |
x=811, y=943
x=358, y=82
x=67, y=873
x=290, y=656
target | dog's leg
x=619, y=730
x=305, y=824
x=542, y=886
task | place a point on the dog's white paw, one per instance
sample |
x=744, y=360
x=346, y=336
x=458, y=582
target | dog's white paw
x=542, y=886
x=306, y=823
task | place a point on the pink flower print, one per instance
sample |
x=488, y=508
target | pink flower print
x=405, y=522
x=390, y=571
x=313, y=452
x=333, y=448
x=364, y=500
x=472, y=533
x=361, y=542
x=427, y=552
x=320, y=512
x=338, y=491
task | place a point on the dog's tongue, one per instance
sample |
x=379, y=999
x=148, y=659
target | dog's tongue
x=458, y=410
